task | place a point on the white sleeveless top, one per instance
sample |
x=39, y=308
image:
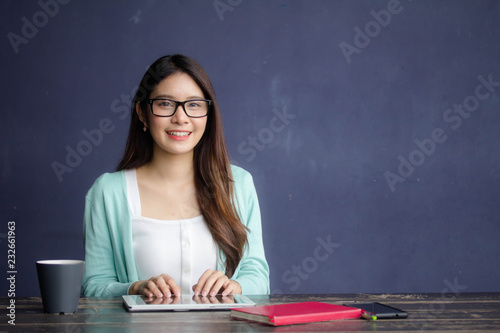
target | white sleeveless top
x=183, y=249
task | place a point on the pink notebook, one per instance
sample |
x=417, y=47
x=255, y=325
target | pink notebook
x=295, y=313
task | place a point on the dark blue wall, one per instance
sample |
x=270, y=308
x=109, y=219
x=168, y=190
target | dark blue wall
x=370, y=129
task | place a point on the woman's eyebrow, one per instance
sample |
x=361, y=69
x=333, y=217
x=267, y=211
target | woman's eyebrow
x=165, y=96
x=172, y=97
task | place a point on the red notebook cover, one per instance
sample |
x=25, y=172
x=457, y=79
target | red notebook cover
x=295, y=313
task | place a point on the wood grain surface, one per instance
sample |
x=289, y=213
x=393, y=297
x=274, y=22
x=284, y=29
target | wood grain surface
x=427, y=312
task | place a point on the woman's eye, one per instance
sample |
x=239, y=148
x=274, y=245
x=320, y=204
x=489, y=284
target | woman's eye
x=194, y=105
x=165, y=104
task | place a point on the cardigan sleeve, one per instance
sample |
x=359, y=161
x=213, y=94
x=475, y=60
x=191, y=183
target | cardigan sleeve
x=253, y=271
x=100, y=277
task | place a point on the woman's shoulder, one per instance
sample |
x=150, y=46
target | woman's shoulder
x=240, y=175
x=243, y=182
x=108, y=182
x=110, y=178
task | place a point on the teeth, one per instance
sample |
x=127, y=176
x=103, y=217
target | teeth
x=178, y=133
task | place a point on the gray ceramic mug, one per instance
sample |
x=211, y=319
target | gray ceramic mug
x=60, y=284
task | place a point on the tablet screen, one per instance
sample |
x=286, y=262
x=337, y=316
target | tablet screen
x=185, y=302
x=217, y=299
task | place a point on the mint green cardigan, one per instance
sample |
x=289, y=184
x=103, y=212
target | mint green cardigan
x=110, y=266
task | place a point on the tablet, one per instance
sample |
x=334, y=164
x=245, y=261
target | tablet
x=185, y=302
x=377, y=310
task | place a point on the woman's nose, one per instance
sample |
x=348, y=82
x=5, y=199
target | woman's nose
x=180, y=115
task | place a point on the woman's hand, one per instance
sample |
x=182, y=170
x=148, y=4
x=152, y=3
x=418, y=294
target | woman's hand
x=159, y=286
x=212, y=282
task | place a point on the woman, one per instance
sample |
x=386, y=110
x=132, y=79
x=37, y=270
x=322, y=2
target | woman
x=176, y=217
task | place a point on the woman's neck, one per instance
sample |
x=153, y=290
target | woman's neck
x=171, y=168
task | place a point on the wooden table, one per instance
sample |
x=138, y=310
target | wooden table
x=427, y=312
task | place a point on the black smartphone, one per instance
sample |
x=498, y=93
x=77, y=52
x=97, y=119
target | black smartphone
x=377, y=310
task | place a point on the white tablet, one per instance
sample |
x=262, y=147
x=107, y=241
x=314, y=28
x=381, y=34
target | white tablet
x=185, y=302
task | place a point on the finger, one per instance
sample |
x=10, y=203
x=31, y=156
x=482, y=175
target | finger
x=140, y=288
x=146, y=292
x=149, y=295
x=162, y=289
x=176, y=290
x=201, y=282
x=153, y=288
x=218, y=285
x=209, y=282
x=231, y=287
x=173, y=287
x=228, y=289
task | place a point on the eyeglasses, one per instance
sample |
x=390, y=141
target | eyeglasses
x=194, y=108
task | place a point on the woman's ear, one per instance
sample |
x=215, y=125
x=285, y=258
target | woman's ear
x=140, y=114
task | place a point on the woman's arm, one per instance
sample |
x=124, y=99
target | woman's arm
x=253, y=271
x=106, y=272
x=99, y=278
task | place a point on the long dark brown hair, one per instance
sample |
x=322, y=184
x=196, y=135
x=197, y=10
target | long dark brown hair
x=213, y=177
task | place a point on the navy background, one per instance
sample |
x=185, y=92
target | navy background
x=320, y=170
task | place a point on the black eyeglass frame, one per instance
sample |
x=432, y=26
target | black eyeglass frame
x=177, y=103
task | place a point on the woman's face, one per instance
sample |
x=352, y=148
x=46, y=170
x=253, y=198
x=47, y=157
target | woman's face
x=178, y=134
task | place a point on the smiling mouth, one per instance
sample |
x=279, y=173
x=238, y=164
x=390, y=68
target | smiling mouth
x=179, y=134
